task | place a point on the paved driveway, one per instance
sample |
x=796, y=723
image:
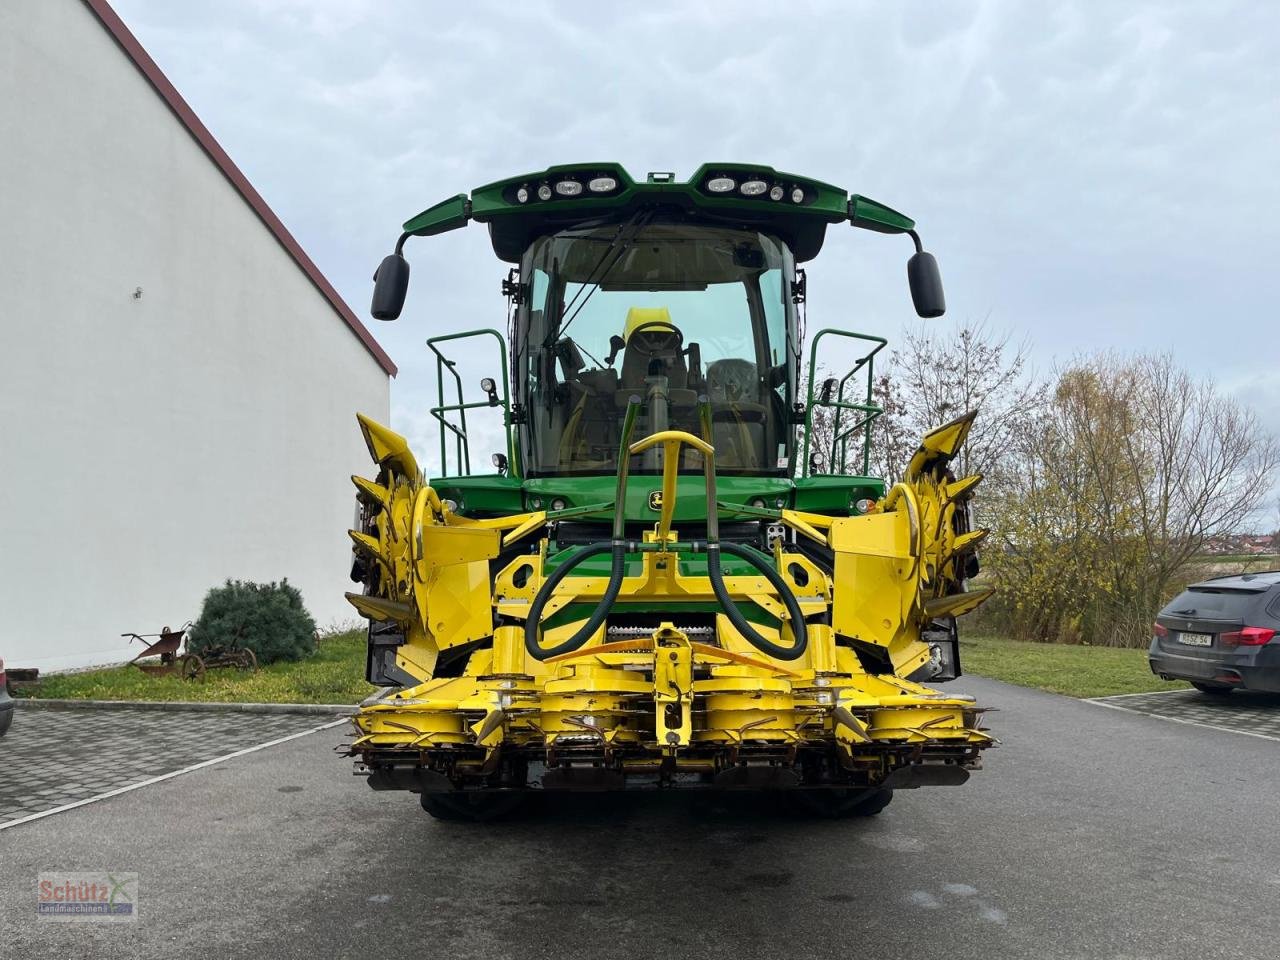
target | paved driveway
x=1092, y=833
x=1257, y=714
x=54, y=757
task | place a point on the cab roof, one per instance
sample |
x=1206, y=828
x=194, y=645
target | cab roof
x=797, y=209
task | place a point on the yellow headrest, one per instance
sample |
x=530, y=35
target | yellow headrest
x=637, y=316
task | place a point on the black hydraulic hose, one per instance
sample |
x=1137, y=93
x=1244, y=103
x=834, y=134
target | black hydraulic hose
x=760, y=561
x=588, y=629
x=755, y=558
x=618, y=546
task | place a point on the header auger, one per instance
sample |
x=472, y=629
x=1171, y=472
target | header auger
x=656, y=587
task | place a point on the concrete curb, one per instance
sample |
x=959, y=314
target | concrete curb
x=328, y=709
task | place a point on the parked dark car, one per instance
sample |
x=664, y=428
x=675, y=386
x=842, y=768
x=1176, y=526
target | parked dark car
x=1222, y=635
x=6, y=702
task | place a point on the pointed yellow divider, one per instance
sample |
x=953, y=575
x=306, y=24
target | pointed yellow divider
x=373, y=494
x=940, y=443
x=958, y=488
x=956, y=604
x=370, y=547
x=968, y=540
x=380, y=608
x=387, y=447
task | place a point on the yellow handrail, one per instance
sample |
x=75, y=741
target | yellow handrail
x=671, y=441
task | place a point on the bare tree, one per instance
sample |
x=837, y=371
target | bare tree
x=1132, y=468
x=938, y=378
x=932, y=378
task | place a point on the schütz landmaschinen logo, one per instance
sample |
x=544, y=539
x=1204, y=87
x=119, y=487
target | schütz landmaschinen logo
x=100, y=896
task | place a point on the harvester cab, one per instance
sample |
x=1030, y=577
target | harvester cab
x=656, y=585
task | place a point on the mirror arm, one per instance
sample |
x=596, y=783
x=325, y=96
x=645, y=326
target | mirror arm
x=406, y=236
x=915, y=238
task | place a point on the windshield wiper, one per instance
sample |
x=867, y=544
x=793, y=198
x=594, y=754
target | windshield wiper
x=617, y=246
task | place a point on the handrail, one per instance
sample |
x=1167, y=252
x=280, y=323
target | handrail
x=839, y=404
x=459, y=431
x=671, y=441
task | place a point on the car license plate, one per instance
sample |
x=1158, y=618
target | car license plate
x=1196, y=639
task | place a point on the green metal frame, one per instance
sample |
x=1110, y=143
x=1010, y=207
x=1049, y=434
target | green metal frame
x=868, y=409
x=441, y=410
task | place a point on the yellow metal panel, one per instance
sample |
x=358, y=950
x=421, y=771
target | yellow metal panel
x=439, y=545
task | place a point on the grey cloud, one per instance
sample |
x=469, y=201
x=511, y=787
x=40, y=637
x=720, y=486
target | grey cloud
x=1092, y=175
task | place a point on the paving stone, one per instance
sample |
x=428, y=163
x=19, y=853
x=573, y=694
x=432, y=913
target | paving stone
x=1241, y=711
x=55, y=757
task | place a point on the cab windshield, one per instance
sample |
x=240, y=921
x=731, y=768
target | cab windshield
x=667, y=313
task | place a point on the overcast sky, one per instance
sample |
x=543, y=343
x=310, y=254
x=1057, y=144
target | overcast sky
x=1092, y=175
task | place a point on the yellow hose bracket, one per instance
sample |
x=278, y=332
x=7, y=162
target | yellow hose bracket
x=530, y=523
x=807, y=524
x=672, y=441
x=672, y=688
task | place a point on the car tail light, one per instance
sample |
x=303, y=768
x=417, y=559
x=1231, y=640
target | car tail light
x=1161, y=631
x=1248, y=637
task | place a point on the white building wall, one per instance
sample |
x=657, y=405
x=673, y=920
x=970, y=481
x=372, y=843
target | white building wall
x=151, y=447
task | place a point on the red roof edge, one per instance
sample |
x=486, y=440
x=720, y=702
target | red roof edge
x=142, y=60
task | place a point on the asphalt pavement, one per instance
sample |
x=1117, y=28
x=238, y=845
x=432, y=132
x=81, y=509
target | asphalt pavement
x=1091, y=833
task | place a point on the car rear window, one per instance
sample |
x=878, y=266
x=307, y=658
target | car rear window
x=1213, y=604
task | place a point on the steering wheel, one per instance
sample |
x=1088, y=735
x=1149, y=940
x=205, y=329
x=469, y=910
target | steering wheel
x=656, y=337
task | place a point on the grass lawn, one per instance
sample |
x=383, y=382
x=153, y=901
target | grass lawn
x=334, y=675
x=1077, y=671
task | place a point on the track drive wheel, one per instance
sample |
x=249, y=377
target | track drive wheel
x=839, y=804
x=472, y=807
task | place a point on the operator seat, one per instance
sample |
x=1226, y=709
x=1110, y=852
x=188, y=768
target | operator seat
x=738, y=418
x=649, y=353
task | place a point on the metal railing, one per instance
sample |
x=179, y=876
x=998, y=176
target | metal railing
x=866, y=410
x=458, y=430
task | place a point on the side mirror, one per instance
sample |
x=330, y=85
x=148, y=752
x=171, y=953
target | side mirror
x=926, y=285
x=828, y=390
x=390, y=284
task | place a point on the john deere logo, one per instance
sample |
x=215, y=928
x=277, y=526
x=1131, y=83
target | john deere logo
x=655, y=500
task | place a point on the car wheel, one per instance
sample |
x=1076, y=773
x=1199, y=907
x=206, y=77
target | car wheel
x=1211, y=688
x=471, y=807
